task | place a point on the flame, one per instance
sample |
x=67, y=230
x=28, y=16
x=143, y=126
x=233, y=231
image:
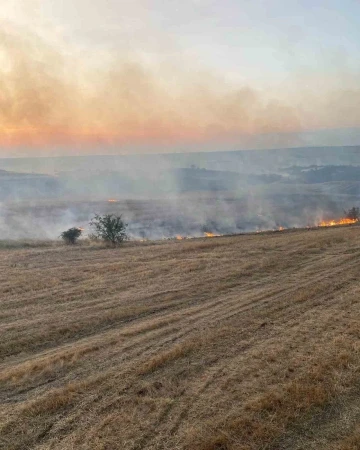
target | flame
x=211, y=234
x=281, y=229
x=179, y=238
x=342, y=221
x=80, y=228
x=112, y=200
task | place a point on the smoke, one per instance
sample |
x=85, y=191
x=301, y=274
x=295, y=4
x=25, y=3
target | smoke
x=169, y=217
x=52, y=98
x=159, y=197
x=122, y=85
x=32, y=221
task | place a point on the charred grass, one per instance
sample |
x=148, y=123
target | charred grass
x=248, y=342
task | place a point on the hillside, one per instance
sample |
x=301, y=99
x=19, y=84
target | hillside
x=15, y=185
x=241, y=160
x=243, y=342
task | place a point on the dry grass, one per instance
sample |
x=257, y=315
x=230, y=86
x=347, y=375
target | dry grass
x=248, y=342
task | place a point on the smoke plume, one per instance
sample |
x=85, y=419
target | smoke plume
x=49, y=98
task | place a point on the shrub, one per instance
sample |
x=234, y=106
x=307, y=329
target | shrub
x=71, y=235
x=109, y=228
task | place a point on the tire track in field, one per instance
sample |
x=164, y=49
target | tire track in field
x=184, y=410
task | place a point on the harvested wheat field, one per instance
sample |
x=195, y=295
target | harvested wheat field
x=243, y=342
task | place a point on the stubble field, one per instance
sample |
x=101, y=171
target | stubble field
x=243, y=342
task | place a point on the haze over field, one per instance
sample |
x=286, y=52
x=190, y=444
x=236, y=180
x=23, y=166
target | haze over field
x=150, y=76
x=187, y=195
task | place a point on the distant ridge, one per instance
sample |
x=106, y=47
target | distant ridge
x=235, y=160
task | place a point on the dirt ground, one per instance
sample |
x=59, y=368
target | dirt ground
x=244, y=342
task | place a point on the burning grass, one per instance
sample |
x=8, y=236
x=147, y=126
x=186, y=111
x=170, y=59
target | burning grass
x=238, y=343
x=342, y=221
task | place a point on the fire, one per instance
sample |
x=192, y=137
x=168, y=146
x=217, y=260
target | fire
x=281, y=229
x=80, y=228
x=112, y=200
x=179, y=238
x=342, y=221
x=211, y=234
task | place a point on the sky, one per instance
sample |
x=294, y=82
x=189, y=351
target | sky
x=150, y=76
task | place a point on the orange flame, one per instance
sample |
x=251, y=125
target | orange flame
x=342, y=221
x=211, y=234
x=179, y=238
x=112, y=200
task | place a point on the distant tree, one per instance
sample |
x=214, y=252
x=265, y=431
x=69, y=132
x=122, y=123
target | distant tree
x=353, y=213
x=71, y=235
x=109, y=228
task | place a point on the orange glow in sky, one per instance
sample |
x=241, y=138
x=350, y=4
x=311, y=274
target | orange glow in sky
x=141, y=75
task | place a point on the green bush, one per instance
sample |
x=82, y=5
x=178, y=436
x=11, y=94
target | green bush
x=71, y=235
x=109, y=228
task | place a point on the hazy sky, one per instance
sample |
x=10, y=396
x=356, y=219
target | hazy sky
x=113, y=76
